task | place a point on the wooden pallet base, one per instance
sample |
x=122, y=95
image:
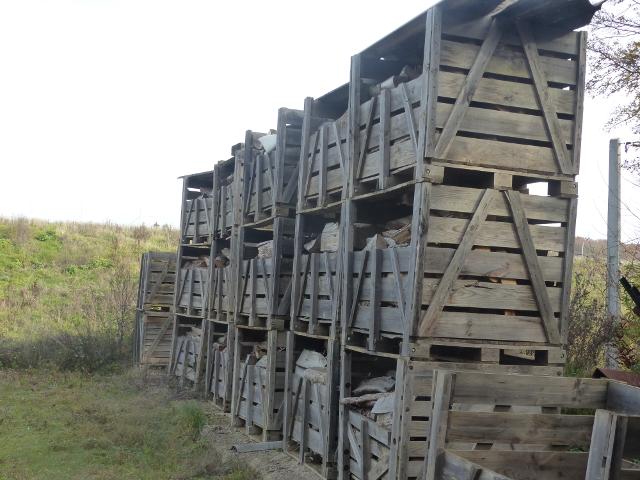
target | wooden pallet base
x=322, y=329
x=261, y=323
x=492, y=353
x=267, y=217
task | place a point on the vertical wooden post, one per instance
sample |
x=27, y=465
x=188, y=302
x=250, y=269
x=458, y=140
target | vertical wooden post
x=384, y=140
x=580, y=88
x=270, y=384
x=419, y=230
x=281, y=148
x=429, y=98
x=347, y=234
x=288, y=390
x=296, y=278
x=353, y=123
x=344, y=446
x=304, y=152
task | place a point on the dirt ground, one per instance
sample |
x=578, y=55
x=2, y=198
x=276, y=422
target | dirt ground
x=269, y=464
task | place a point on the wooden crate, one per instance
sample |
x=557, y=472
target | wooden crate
x=258, y=388
x=317, y=277
x=192, y=284
x=324, y=160
x=153, y=339
x=198, y=191
x=188, y=355
x=157, y=281
x=547, y=444
x=369, y=450
x=263, y=294
x=492, y=93
x=482, y=265
x=219, y=364
x=227, y=195
x=310, y=431
x=271, y=179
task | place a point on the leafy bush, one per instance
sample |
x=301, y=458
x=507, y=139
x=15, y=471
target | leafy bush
x=49, y=234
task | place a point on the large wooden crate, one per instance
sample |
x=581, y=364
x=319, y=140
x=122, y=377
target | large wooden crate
x=324, y=160
x=396, y=448
x=258, y=384
x=198, y=191
x=220, y=361
x=482, y=265
x=192, y=283
x=492, y=94
x=227, y=180
x=154, y=334
x=188, y=355
x=317, y=276
x=552, y=443
x=311, y=402
x=263, y=294
x=157, y=281
x=271, y=179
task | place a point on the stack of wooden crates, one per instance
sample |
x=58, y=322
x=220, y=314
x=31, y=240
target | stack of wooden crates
x=419, y=218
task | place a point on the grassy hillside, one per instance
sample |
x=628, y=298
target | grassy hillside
x=68, y=291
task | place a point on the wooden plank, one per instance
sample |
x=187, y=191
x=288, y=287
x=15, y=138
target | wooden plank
x=458, y=468
x=579, y=109
x=309, y=170
x=530, y=465
x=520, y=428
x=304, y=417
x=535, y=273
x=623, y=399
x=313, y=286
x=429, y=91
x=443, y=385
x=400, y=288
x=507, y=62
x=384, y=141
x=341, y=160
x=356, y=295
x=525, y=390
x=304, y=152
x=322, y=173
x=568, y=269
x=156, y=341
x=159, y=280
x=468, y=89
x=365, y=449
x=365, y=141
x=374, y=326
x=408, y=112
x=542, y=88
x=419, y=233
x=605, y=452
x=506, y=93
x=437, y=303
x=353, y=121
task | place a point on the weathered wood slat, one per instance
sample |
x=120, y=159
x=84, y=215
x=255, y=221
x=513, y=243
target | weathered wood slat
x=542, y=88
x=452, y=272
x=468, y=89
x=535, y=273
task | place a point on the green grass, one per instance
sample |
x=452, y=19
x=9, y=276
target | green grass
x=57, y=425
x=68, y=291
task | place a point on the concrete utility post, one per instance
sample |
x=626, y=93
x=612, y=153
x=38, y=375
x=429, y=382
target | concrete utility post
x=613, y=244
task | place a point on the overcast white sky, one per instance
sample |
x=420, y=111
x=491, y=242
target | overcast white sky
x=104, y=103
